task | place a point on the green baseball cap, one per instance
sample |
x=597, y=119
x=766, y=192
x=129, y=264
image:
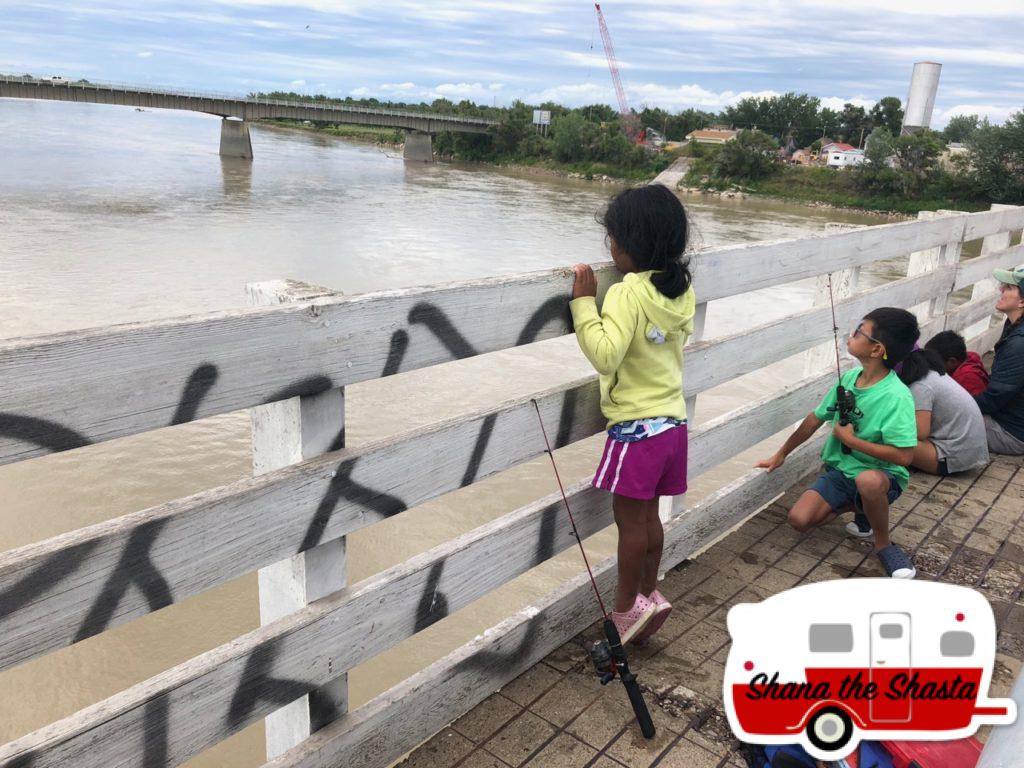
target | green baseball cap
x=1016, y=277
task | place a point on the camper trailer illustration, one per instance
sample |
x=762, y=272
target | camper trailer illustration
x=829, y=663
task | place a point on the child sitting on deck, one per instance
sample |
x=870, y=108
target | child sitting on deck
x=636, y=345
x=866, y=461
x=964, y=367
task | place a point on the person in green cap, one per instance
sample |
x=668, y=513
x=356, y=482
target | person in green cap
x=1002, y=402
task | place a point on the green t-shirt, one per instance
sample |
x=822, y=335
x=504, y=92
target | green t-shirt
x=888, y=419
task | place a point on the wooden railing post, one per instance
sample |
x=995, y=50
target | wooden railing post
x=990, y=244
x=947, y=254
x=845, y=283
x=284, y=433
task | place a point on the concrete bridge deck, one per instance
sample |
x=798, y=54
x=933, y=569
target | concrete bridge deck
x=226, y=105
x=235, y=140
x=967, y=530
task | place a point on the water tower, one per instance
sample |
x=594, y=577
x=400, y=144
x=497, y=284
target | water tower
x=924, y=83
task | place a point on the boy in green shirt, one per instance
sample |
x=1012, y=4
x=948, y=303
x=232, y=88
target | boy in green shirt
x=866, y=461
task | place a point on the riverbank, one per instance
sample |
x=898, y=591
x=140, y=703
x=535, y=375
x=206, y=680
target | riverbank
x=740, y=193
x=386, y=137
x=673, y=175
x=821, y=187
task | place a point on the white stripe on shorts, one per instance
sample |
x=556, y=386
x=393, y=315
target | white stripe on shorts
x=618, y=469
x=608, y=460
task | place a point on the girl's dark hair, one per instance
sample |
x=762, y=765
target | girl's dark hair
x=649, y=223
x=898, y=331
x=917, y=364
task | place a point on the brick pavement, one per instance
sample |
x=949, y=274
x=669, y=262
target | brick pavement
x=967, y=529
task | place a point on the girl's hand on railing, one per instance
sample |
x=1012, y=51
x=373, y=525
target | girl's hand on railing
x=773, y=462
x=584, y=284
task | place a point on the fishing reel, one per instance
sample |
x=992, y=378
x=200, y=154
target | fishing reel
x=609, y=660
x=601, y=657
x=846, y=406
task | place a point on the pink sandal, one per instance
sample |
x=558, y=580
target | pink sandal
x=662, y=608
x=635, y=620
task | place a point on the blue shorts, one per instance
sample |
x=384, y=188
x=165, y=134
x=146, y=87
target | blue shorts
x=840, y=492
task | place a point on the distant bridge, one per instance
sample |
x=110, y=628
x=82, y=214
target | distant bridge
x=236, y=110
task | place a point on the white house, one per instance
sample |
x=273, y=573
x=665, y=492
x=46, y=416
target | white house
x=844, y=158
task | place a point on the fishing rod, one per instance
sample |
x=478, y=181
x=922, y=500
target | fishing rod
x=608, y=656
x=846, y=401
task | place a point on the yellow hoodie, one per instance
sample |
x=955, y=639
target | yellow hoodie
x=636, y=345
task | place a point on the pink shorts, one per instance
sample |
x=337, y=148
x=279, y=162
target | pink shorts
x=655, y=466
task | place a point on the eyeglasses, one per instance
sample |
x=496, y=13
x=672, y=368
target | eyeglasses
x=858, y=331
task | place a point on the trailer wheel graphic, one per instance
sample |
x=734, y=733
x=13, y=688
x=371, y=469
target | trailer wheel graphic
x=830, y=729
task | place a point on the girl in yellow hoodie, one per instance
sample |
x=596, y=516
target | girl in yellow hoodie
x=636, y=345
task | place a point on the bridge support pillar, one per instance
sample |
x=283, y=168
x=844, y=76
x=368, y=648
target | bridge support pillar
x=419, y=147
x=234, y=138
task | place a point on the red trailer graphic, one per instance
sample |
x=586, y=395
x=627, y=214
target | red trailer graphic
x=829, y=663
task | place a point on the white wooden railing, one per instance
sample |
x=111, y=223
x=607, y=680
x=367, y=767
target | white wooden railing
x=288, y=361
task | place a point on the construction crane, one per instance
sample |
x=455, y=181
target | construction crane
x=630, y=122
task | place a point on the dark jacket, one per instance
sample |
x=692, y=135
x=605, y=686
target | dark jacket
x=1003, y=400
x=971, y=374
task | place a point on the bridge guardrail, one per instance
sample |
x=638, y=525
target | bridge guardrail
x=73, y=389
x=166, y=91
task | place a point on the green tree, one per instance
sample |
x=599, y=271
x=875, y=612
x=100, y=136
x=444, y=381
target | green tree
x=853, y=124
x=960, y=128
x=751, y=155
x=888, y=112
x=567, y=139
x=916, y=156
x=997, y=157
x=878, y=148
x=599, y=113
x=780, y=116
x=442, y=106
x=514, y=130
x=830, y=122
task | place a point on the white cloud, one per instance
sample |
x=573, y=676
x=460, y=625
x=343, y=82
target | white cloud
x=456, y=91
x=990, y=56
x=836, y=103
x=144, y=54
x=297, y=83
x=398, y=87
x=589, y=59
x=995, y=113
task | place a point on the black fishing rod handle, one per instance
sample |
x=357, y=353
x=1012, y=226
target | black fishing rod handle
x=636, y=698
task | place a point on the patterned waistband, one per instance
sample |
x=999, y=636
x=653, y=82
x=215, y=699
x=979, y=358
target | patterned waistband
x=641, y=429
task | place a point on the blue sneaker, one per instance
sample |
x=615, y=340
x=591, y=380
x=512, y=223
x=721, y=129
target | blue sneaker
x=896, y=562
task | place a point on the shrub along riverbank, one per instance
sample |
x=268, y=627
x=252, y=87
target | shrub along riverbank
x=901, y=173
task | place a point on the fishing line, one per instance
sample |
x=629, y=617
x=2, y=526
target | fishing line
x=608, y=656
x=565, y=501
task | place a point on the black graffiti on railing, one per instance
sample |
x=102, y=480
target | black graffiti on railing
x=199, y=383
x=134, y=555
x=133, y=568
x=343, y=486
x=255, y=684
x=41, y=432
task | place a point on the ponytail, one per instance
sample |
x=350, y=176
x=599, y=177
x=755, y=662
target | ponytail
x=918, y=363
x=674, y=280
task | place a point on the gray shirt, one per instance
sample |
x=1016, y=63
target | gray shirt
x=958, y=430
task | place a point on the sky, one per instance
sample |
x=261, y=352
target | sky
x=701, y=53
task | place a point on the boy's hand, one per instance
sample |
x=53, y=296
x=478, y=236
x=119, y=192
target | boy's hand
x=844, y=433
x=585, y=283
x=773, y=462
